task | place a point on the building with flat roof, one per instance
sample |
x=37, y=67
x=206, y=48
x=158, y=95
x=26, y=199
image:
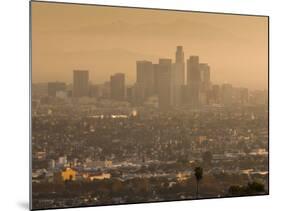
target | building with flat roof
x=80, y=83
x=117, y=86
x=164, y=69
x=145, y=79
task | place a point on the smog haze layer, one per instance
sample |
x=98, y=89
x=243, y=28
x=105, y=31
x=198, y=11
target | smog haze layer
x=106, y=40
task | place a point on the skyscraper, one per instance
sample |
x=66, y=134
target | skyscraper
x=179, y=55
x=193, y=71
x=80, y=83
x=216, y=94
x=193, y=79
x=164, y=83
x=178, y=77
x=205, y=86
x=156, y=78
x=145, y=79
x=227, y=93
x=117, y=86
x=205, y=73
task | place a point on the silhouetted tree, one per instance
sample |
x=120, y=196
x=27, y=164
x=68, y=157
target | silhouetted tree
x=198, y=172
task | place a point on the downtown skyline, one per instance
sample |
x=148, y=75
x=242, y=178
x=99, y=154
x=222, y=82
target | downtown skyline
x=133, y=81
x=234, y=46
x=132, y=105
x=164, y=80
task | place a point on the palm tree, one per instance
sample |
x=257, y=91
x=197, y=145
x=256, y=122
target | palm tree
x=198, y=172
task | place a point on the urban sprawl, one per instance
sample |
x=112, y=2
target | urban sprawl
x=173, y=135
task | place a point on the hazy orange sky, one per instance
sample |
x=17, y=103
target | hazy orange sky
x=106, y=40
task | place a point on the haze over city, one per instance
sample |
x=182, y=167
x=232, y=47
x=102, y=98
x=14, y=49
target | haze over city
x=136, y=105
x=106, y=40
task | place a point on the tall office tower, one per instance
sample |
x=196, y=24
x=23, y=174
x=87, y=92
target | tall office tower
x=54, y=87
x=193, y=79
x=80, y=83
x=164, y=69
x=178, y=77
x=156, y=78
x=227, y=94
x=205, y=74
x=117, y=86
x=179, y=55
x=216, y=94
x=205, y=83
x=145, y=79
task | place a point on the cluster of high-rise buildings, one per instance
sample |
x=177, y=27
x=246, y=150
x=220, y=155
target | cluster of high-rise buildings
x=166, y=84
x=167, y=80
